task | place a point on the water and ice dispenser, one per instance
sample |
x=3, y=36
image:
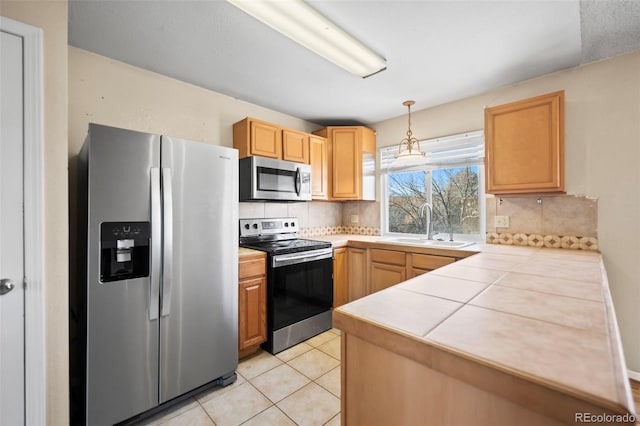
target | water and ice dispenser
x=124, y=250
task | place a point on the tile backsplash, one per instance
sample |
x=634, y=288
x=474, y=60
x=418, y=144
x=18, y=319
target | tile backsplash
x=317, y=218
x=561, y=221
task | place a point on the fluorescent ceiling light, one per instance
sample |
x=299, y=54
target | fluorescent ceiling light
x=306, y=26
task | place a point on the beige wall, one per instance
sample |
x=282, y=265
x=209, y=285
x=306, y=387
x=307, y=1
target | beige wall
x=602, y=160
x=105, y=91
x=51, y=16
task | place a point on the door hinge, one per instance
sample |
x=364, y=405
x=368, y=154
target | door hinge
x=24, y=283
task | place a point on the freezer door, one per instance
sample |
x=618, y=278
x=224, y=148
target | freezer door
x=199, y=302
x=122, y=340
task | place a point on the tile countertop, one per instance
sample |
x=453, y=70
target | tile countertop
x=541, y=316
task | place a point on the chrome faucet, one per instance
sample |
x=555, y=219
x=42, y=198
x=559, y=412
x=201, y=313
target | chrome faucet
x=421, y=214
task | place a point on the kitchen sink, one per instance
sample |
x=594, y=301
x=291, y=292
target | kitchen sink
x=425, y=242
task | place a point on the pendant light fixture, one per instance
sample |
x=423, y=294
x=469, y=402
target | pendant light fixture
x=409, y=149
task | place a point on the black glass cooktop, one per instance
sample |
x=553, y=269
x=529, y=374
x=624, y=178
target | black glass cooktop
x=286, y=246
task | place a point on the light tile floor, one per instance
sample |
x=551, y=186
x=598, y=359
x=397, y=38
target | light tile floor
x=299, y=386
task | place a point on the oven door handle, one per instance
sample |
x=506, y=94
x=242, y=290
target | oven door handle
x=303, y=257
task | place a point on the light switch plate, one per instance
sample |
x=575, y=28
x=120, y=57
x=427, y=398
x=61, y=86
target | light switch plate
x=502, y=221
x=355, y=218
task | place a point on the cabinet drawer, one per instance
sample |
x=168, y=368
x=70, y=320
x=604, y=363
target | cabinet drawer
x=388, y=256
x=252, y=266
x=427, y=261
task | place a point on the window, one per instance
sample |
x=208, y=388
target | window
x=451, y=182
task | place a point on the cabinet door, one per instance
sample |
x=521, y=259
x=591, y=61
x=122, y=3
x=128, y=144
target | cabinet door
x=295, y=146
x=340, y=273
x=384, y=275
x=266, y=139
x=525, y=146
x=357, y=271
x=319, y=167
x=252, y=327
x=347, y=163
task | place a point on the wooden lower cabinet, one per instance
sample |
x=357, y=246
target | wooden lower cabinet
x=340, y=277
x=252, y=303
x=384, y=275
x=357, y=273
x=418, y=264
x=370, y=270
x=388, y=267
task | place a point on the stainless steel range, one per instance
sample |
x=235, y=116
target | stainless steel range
x=299, y=280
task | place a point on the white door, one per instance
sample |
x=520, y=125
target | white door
x=11, y=231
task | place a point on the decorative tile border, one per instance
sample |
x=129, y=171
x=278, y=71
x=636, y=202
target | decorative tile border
x=537, y=240
x=336, y=230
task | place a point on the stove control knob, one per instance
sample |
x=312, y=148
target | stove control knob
x=246, y=226
x=293, y=224
x=286, y=224
x=255, y=226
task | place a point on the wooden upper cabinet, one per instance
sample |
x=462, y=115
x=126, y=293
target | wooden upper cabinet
x=319, y=167
x=255, y=137
x=347, y=147
x=524, y=143
x=295, y=146
x=347, y=166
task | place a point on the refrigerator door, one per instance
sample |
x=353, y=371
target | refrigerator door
x=199, y=302
x=122, y=340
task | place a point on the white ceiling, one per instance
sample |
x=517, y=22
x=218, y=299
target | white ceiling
x=437, y=51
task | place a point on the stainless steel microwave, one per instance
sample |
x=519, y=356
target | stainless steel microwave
x=268, y=179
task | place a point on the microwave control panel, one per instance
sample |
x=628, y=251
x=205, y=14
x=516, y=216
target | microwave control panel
x=268, y=226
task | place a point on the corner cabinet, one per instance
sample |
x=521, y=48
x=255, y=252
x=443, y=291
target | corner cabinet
x=524, y=143
x=418, y=264
x=252, y=302
x=351, y=154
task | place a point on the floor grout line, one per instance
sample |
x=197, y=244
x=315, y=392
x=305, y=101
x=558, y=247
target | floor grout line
x=200, y=405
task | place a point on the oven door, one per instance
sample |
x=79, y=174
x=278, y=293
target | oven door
x=300, y=286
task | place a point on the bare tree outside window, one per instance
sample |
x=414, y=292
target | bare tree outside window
x=454, y=197
x=407, y=193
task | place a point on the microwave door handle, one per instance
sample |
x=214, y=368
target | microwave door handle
x=298, y=183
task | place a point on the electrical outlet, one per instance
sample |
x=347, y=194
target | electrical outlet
x=502, y=221
x=355, y=218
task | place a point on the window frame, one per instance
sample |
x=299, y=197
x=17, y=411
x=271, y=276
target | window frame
x=428, y=168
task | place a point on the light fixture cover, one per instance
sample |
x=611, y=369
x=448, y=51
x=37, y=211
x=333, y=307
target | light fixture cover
x=306, y=26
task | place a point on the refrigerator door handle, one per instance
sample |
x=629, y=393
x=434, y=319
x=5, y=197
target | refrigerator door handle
x=156, y=247
x=167, y=246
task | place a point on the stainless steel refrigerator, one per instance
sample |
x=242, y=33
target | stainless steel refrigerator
x=158, y=308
